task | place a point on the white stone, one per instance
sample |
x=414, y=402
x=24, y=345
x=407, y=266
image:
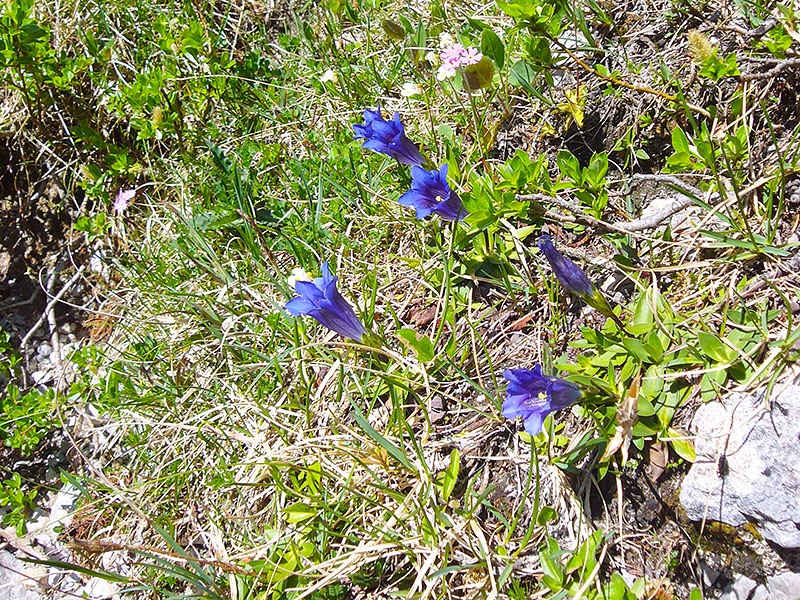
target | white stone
x=746, y=468
x=13, y=583
x=739, y=589
x=100, y=588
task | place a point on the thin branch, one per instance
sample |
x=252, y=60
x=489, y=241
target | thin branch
x=51, y=304
x=630, y=86
x=579, y=215
x=773, y=72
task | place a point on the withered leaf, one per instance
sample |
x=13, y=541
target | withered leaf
x=627, y=414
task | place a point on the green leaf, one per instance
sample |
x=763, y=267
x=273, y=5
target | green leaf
x=652, y=382
x=477, y=24
x=420, y=40
x=616, y=588
x=711, y=383
x=546, y=514
x=570, y=167
x=419, y=343
x=65, y=566
x=636, y=348
x=644, y=428
x=726, y=240
x=684, y=448
x=493, y=47
x=584, y=559
x=713, y=347
x=446, y=132
x=679, y=141
x=523, y=75
x=553, y=572
x=654, y=346
x=644, y=407
x=299, y=511
x=392, y=449
x=517, y=9
x=447, y=478
x=394, y=30
x=595, y=173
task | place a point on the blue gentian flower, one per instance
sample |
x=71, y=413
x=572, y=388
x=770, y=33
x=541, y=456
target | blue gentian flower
x=321, y=300
x=533, y=396
x=430, y=193
x=575, y=280
x=567, y=272
x=388, y=137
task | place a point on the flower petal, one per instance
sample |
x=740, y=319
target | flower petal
x=299, y=306
x=533, y=423
x=567, y=272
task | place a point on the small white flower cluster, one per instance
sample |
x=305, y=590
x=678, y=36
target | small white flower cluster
x=410, y=89
x=299, y=274
x=330, y=76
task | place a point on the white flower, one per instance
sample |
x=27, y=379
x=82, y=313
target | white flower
x=445, y=40
x=445, y=71
x=330, y=75
x=410, y=89
x=299, y=274
x=432, y=57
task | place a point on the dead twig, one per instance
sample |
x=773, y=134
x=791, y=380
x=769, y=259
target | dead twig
x=773, y=72
x=631, y=86
x=51, y=305
x=580, y=216
x=103, y=546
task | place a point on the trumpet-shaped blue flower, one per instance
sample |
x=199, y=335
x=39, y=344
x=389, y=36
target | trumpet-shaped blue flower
x=388, y=137
x=321, y=300
x=575, y=280
x=533, y=396
x=430, y=193
x=567, y=272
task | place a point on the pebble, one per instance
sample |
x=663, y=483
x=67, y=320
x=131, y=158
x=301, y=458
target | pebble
x=98, y=588
x=44, y=350
x=41, y=377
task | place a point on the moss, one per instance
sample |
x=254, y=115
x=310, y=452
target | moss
x=752, y=530
x=733, y=546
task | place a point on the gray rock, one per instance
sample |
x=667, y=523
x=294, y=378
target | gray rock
x=785, y=586
x=739, y=589
x=14, y=586
x=747, y=468
x=44, y=350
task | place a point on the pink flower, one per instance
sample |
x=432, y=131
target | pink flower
x=121, y=203
x=454, y=57
x=471, y=56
